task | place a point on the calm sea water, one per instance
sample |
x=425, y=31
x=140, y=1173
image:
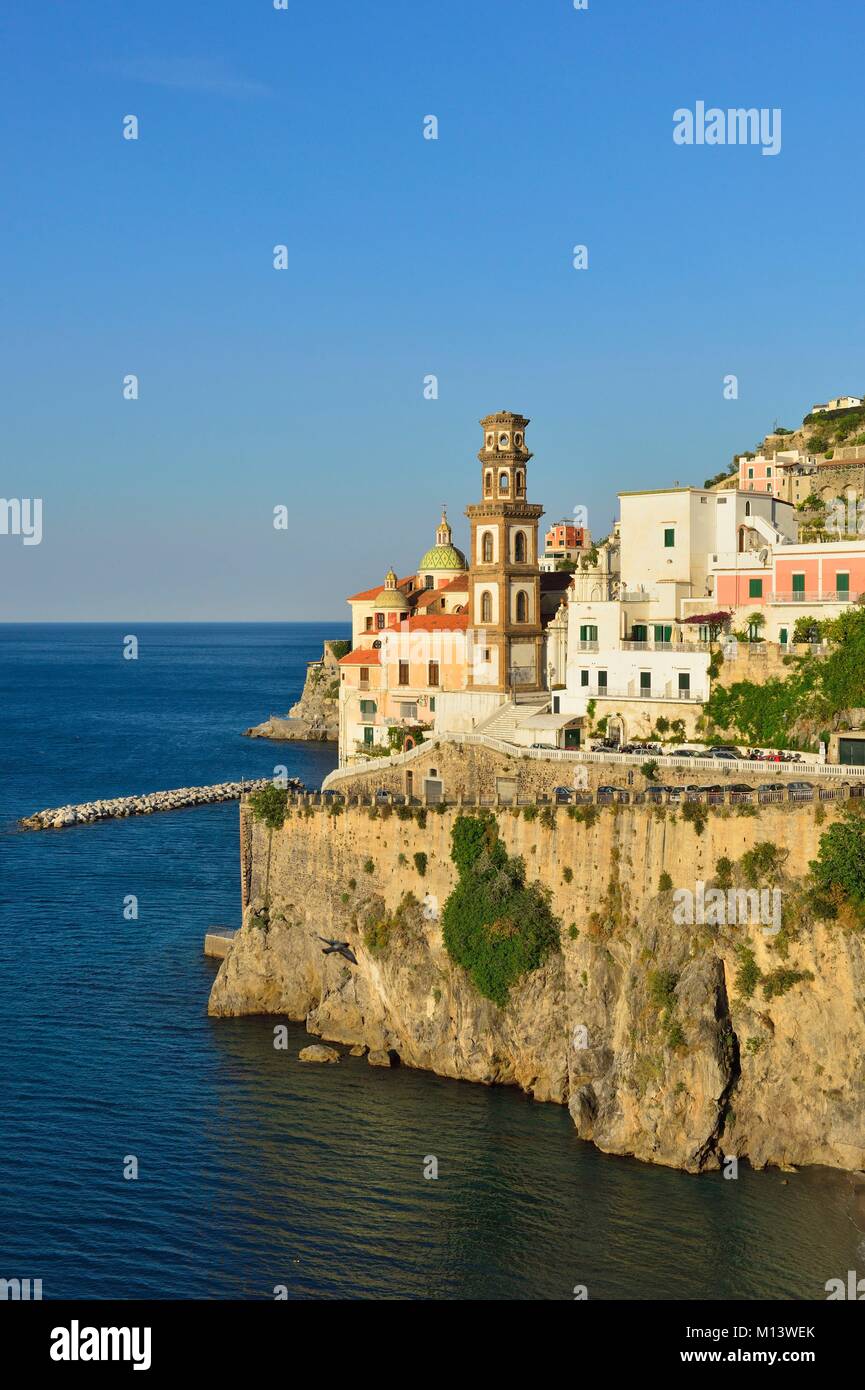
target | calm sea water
x=253, y=1169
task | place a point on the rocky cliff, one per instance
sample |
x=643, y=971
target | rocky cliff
x=315, y=717
x=679, y=1044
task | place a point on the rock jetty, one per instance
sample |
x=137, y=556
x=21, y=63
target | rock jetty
x=57, y=817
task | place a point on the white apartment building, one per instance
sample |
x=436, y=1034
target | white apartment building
x=630, y=650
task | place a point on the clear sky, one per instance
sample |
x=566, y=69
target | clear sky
x=406, y=257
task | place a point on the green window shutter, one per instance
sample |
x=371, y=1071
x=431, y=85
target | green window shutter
x=669, y=536
x=645, y=680
x=798, y=583
x=782, y=637
x=663, y=633
x=639, y=632
x=755, y=588
x=842, y=583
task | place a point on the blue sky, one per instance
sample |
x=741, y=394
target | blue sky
x=406, y=257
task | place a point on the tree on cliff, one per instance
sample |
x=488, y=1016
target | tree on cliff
x=495, y=925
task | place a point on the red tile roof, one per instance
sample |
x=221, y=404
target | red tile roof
x=362, y=656
x=369, y=594
x=438, y=622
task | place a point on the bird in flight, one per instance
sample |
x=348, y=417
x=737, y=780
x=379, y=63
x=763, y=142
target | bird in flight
x=341, y=948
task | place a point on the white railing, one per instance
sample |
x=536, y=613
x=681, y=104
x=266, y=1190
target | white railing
x=799, y=771
x=637, y=596
x=813, y=596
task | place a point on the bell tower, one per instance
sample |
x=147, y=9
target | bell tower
x=504, y=579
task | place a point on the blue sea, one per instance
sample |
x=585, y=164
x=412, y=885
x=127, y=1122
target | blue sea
x=254, y=1171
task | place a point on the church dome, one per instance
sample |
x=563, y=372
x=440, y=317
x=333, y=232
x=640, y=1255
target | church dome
x=391, y=597
x=444, y=554
x=443, y=557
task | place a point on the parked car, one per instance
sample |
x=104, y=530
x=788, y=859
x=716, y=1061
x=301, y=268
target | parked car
x=549, y=746
x=562, y=794
x=800, y=786
x=725, y=750
x=739, y=787
x=330, y=794
x=774, y=786
x=683, y=753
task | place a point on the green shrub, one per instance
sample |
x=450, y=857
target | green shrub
x=568, y=874
x=649, y=770
x=763, y=861
x=530, y=813
x=748, y=975
x=369, y=866
x=269, y=805
x=665, y=883
x=724, y=872
x=780, y=980
x=840, y=862
x=696, y=813
x=420, y=862
x=495, y=925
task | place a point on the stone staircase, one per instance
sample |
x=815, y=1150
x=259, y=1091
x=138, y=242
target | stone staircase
x=503, y=722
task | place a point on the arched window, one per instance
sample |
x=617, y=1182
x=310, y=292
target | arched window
x=520, y=547
x=521, y=482
x=487, y=547
x=504, y=483
x=747, y=508
x=488, y=483
x=522, y=606
x=486, y=607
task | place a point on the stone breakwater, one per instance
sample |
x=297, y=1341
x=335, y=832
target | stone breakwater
x=57, y=817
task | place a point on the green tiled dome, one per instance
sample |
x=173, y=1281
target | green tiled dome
x=443, y=557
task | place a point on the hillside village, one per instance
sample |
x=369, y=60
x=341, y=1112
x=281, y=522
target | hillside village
x=707, y=615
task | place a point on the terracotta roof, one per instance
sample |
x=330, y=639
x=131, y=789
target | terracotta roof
x=438, y=622
x=369, y=594
x=363, y=656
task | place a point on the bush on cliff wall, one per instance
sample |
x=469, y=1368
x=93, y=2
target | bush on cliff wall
x=838, y=871
x=495, y=925
x=269, y=804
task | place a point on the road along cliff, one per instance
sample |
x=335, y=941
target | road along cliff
x=670, y=1035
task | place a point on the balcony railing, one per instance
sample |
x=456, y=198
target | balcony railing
x=637, y=596
x=633, y=692
x=588, y=646
x=814, y=596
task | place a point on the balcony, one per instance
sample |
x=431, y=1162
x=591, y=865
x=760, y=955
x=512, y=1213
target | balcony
x=588, y=646
x=812, y=596
x=637, y=596
x=633, y=692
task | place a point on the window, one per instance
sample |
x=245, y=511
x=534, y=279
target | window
x=588, y=632
x=408, y=710
x=798, y=583
x=364, y=675
x=379, y=620
x=556, y=703
x=488, y=484
x=433, y=673
x=645, y=682
x=369, y=622
x=521, y=483
x=522, y=606
x=368, y=735
x=432, y=704
x=403, y=673
x=768, y=472
x=842, y=585
x=602, y=681
x=504, y=483
x=663, y=633
x=747, y=508
x=486, y=656
x=684, y=683
x=367, y=709
x=487, y=547
x=639, y=633
x=669, y=537
x=428, y=581
x=486, y=606
x=750, y=472
x=782, y=637
x=755, y=588
x=520, y=547
x=584, y=678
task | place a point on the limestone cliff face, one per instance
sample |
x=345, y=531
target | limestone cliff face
x=679, y=1078
x=315, y=716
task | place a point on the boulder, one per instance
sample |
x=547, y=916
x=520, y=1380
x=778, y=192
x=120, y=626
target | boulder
x=317, y=1052
x=380, y=1057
